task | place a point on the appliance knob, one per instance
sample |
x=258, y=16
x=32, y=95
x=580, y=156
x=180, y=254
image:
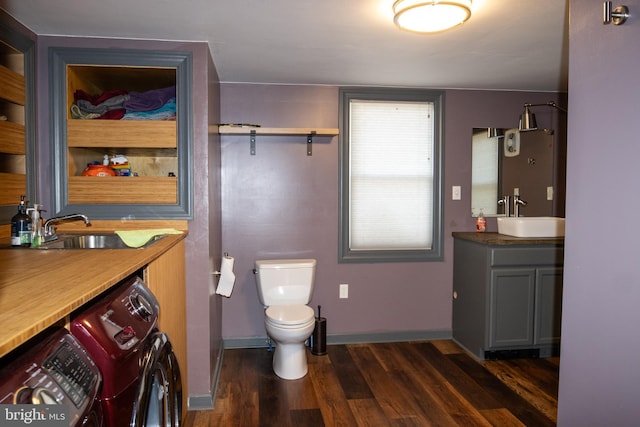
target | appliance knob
x=22, y=396
x=42, y=396
x=142, y=307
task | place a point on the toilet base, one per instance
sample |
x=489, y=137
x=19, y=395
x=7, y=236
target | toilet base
x=290, y=361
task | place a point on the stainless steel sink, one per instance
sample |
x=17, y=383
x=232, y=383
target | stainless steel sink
x=92, y=241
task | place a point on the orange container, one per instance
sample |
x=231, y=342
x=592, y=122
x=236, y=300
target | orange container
x=98, y=170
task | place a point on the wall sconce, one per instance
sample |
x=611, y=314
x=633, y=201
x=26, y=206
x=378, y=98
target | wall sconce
x=618, y=16
x=528, y=119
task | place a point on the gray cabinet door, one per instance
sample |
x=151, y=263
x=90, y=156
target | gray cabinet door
x=548, y=305
x=511, y=308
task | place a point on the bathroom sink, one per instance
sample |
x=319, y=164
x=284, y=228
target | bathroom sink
x=93, y=241
x=538, y=226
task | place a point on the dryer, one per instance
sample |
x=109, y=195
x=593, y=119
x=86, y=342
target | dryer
x=141, y=378
x=52, y=369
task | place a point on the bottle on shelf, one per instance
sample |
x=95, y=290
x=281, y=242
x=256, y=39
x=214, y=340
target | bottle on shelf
x=481, y=222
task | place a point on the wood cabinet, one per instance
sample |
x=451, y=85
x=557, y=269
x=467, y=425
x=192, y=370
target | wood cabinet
x=159, y=151
x=166, y=278
x=17, y=144
x=507, y=300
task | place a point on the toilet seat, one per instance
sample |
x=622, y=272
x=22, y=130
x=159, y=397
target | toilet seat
x=290, y=316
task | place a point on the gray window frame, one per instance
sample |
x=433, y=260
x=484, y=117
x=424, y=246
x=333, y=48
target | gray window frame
x=345, y=254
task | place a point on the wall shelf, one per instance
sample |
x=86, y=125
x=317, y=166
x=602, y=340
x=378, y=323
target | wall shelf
x=253, y=131
x=246, y=130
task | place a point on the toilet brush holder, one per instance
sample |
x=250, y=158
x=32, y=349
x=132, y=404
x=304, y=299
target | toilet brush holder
x=319, y=337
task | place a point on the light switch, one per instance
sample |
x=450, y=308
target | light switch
x=549, y=193
x=456, y=192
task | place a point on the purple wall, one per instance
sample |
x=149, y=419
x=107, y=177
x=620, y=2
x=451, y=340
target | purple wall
x=599, y=374
x=282, y=204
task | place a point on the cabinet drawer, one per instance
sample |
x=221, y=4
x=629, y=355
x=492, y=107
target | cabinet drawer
x=122, y=190
x=11, y=138
x=121, y=133
x=530, y=256
x=13, y=185
x=12, y=86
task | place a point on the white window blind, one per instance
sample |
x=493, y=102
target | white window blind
x=391, y=171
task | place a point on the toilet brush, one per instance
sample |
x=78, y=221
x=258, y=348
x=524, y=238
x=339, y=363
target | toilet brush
x=319, y=346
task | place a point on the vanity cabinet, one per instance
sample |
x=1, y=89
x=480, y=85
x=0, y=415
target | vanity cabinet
x=158, y=148
x=507, y=298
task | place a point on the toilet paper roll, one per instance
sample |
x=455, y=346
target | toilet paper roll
x=227, y=278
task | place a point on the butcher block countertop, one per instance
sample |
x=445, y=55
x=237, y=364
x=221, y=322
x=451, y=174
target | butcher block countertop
x=41, y=287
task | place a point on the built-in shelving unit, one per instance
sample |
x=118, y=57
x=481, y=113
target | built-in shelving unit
x=17, y=155
x=158, y=151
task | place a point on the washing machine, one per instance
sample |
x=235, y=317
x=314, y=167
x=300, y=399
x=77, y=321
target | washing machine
x=141, y=378
x=51, y=369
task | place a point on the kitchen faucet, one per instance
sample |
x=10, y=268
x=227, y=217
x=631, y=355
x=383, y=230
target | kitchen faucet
x=49, y=225
x=517, y=202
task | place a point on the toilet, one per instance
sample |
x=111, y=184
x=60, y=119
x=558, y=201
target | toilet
x=284, y=288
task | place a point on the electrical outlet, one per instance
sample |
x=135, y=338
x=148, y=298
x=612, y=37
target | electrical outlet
x=456, y=192
x=344, y=290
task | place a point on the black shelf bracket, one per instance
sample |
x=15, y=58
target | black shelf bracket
x=310, y=142
x=252, y=142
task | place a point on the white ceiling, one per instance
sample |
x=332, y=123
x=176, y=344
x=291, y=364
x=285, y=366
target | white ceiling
x=507, y=44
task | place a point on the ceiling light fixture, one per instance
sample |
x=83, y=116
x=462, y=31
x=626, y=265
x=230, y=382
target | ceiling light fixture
x=528, y=119
x=428, y=17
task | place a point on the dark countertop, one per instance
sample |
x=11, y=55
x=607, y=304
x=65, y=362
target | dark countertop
x=495, y=239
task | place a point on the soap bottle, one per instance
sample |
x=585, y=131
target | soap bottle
x=21, y=226
x=481, y=222
x=36, y=225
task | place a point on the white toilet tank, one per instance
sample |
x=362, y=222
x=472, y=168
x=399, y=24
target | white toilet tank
x=285, y=281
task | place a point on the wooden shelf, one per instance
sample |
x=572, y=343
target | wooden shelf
x=246, y=130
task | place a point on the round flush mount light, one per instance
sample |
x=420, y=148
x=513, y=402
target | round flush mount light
x=428, y=17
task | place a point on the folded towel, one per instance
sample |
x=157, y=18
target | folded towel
x=138, y=238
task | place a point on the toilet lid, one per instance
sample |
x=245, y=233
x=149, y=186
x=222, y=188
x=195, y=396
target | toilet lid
x=290, y=314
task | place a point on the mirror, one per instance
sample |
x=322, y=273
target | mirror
x=507, y=162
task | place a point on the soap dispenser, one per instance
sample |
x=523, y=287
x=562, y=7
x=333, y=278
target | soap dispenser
x=36, y=225
x=21, y=226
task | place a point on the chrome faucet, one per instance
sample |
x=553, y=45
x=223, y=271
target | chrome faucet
x=517, y=202
x=49, y=225
x=506, y=205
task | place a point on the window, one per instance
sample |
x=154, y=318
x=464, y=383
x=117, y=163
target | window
x=390, y=175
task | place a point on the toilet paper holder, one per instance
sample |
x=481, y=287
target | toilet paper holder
x=218, y=272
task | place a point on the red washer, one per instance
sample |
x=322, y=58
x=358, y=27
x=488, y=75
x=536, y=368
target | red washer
x=52, y=369
x=141, y=379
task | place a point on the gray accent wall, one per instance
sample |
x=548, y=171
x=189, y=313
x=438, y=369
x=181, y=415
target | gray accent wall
x=599, y=364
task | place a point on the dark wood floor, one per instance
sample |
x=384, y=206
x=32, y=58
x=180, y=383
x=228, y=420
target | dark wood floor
x=432, y=383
